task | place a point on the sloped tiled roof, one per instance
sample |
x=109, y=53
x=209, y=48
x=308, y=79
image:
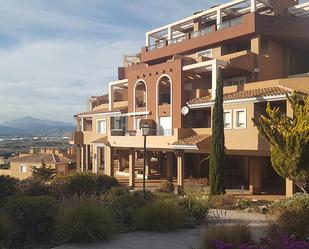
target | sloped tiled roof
x=38, y=158
x=246, y=94
x=122, y=109
x=191, y=140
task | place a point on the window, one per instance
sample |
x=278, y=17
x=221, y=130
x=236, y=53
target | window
x=23, y=169
x=206, y=53
x=235, y=81
x=101, y=126
x=227, y=119
x=240, y=117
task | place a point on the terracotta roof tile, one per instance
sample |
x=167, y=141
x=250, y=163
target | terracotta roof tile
x=38, y=158
x=247, y=94
x=122, y=109
x=192, y=140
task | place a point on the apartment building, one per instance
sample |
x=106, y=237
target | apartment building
x=262, y=49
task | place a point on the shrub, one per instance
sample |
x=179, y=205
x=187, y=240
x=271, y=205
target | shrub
x=223, y=202
x=33, y=187
x=197, y=188
x=59, y=188
x=159, y=216
x=166, y=187
x=33, y=217
x=87, y=220
x=7, y=187
x=123, y=203
x=80, y=184
x=225, y=234
x=103, y=183
x=6, y=231
x=291, y=215
x=196, y=210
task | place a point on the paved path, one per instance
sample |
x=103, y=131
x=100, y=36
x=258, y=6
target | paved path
x=182, y=239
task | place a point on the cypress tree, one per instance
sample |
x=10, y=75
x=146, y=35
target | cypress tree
x=217, y=153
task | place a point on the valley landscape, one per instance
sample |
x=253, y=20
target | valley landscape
x=20, y=134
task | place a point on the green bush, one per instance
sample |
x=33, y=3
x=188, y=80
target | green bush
x=33, y=187
x=7, y=187
x=197, y=188
x=223, y=202
x=6, y=231
x=123, y=203
x=159, y=216
x=196, y=210
x=291, y=215
x=103, y=183
x=33, y=217
x=87, y=220
x=232, y=233
x=79, y=184
x=166, y=187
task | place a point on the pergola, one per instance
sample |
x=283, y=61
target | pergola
x=233, y=8
x=301, y=10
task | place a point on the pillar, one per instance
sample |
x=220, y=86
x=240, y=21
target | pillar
x=255, y=176
x=109, y=161
x=87, y=157
x=169, y=33
x=253, y=5
x=120, y=160
x=214, y=76
x=219, y=18
x=132, y=168
x=83, y=158
x=289, y=188
x=169, y=165
x=78, y=158
x=180, y=168
x=149, y=154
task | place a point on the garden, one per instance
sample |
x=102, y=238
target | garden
x=85, y=208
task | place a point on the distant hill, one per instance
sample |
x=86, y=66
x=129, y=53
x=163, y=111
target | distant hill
x=30, y=125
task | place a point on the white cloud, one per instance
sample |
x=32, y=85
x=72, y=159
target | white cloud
x=55, y=54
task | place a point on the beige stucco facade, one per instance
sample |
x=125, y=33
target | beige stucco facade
x=261, y=56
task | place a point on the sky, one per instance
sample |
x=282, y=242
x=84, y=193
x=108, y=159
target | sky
x=56, y=54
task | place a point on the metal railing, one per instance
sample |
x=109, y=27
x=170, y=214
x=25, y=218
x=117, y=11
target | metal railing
x=195, y=34
x=153, y=132
x=176, y=40
x=230, y=23
x=201, y=32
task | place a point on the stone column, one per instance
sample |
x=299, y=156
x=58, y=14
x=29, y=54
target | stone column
x=87, y=157
x=255, y=175
x=109, y=161
x=169, y=165
x=78, y=158
x=132, y=168
x=289, y=188
x=180, y=168
x=83, y=158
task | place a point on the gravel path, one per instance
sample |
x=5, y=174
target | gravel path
x=182, y=239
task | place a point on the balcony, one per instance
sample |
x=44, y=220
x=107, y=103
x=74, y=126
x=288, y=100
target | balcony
x=76, y=137
x=196, y=34
x=237, y=27
x=135, y=133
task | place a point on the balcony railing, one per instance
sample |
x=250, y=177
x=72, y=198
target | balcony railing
x=201, y=32
x=230, y=23
x=195, y=34
x=153, y=132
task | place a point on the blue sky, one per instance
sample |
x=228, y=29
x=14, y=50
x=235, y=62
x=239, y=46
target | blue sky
x=54, y=54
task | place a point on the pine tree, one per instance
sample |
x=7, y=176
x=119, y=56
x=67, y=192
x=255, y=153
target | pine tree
x=44, y=172
x=289, y=140
x=217, y=153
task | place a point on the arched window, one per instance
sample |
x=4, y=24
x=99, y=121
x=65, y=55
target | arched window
x=164, y=91
x=140, y=94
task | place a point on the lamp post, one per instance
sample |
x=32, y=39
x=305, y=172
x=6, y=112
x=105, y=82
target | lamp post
x=145, y=131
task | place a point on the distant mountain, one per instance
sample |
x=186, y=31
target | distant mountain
x=10, y=131
x=30, y=125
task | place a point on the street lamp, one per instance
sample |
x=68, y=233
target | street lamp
x=145, y=131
